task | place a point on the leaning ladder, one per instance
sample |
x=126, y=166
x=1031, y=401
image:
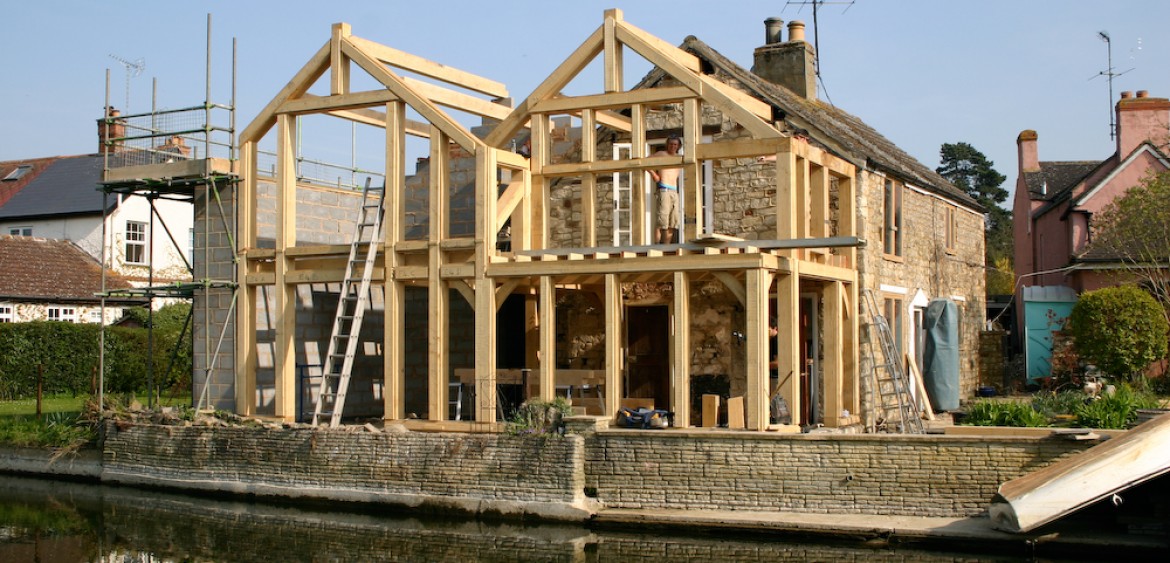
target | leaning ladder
x=351, y=307
x=894, y=403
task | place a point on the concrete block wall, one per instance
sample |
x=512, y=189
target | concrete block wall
x=839, y=474
x=214, y=236
x=472, y=472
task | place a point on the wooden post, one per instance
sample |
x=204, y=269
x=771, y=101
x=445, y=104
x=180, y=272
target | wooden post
x=285, y=293
x=786, y=210
x=613, y=344
x=538, y=225
x=40, y=387
x=788, y=338
x=548, y=338
x=692, y=190
x=834, y=351
x=394, y=310
x=437, y=295
x=613, y=52
x=680, y=380
x=485, y=287
x=246, y=355
x=757, y=392
x=637, y=177
x=588, y=181
x=338, y=62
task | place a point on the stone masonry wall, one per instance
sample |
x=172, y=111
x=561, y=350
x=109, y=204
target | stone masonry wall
x=839, y=474
x=470, y=472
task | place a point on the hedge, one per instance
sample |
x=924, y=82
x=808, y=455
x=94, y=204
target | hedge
x=68, y=355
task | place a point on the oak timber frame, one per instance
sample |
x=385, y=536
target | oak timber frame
x=803, y=252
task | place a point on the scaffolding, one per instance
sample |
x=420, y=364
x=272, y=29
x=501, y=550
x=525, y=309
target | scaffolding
x=178, y=155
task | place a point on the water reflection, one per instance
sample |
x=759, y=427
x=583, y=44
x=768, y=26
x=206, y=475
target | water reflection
x=50, y=522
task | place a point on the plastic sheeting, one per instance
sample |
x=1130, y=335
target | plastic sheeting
x=940, y=357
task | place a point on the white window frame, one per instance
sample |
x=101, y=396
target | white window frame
x=21, y=231
x=135, y=241
x=63, y=314
x=7, y=313
x=892, y=219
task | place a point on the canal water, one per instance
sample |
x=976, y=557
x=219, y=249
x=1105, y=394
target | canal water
x=52, y=521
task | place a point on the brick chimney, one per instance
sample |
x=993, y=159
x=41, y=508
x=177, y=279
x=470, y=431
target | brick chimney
x=109, y=128
x=1139, y=119
x=790, y=64
x=1029, y=158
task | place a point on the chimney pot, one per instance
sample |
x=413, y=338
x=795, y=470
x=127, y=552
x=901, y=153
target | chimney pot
x=1126, y=95
x=795, y=31
x=773, y=29
x=1143, y=93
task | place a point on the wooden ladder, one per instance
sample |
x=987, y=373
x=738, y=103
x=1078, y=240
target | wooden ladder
x=894, y=404
x=352, y=303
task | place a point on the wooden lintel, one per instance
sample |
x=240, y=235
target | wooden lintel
x=457, y=271
x=827, y=272
x=742, y=148
x=692, y=262
x=419, y=65
x=609, y=166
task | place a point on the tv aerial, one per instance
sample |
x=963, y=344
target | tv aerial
x=133, y=68
x=816, y=29
x=1109, y=75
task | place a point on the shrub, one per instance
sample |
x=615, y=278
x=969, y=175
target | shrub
x=1120, y=329
x=540, y=417
x=1115, y=410
x=1003, y=413
x=1063, y=402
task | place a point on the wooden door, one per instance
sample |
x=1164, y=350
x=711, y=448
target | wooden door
x=648, y=354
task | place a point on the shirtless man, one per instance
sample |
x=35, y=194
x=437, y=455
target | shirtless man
x=667, y=183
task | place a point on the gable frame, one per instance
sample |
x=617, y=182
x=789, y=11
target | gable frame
x=1129, y=160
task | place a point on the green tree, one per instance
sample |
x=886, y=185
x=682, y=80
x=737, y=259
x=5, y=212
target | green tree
x=1135, y=229
x=969, y=170
x=1120, y=329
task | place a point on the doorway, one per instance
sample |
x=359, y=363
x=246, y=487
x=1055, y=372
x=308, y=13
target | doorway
x=648, y=354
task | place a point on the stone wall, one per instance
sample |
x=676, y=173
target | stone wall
x=839, y=474
x=636, y=469
x=489, y=473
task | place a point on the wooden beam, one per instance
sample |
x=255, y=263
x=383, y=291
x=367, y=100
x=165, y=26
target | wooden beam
x=504, y=291
x=394, y=313
x=588, y=182
x=757, y=393
x=485, y=350
x=300, y=83
x=419, y=65
x=609, y=166
x=733, y=103
x=638, y=178
x=833, y=366
x=416, y=101
x=786, y=188
x=733, y=285
x=548, y=335
x=538, y=199
x=613, y=52
x=743, y=148
x=245, y=342
x=458, y=100
x=438, y=298
x=847, y=215
x=692, y=188
x=788, y=339
x=614, y=338
x=741, y=99
x=680, y=373
x=614, y=100
x=318, y=104
x=467, y=291
x=284, y=295
x=652, y=48
x=338, y=63
x=577, y=61
x=619, y=265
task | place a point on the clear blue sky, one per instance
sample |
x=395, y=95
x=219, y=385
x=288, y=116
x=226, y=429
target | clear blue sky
x=921, y=72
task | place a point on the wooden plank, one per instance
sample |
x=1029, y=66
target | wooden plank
x=574, y=64
x=735, y=413
x=419, y=65
x=300, y=83
x=613, y=100
x=710, y=411
x=338, y=63
x=743, y=148
x=923, y=405
x=680, y=373
x=416, y=101
x=458, y=100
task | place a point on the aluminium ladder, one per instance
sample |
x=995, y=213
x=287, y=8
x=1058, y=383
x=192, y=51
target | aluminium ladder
x=352, y=303
x=895, y=405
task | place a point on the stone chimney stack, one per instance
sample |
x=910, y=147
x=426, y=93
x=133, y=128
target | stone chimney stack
x=1141, y=118
x=114, y=129
x=790, y=64
x=1028, y=155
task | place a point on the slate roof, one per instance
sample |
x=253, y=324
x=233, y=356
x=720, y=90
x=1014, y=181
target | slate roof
x=66, y=186
x=839, y=132
x=1056, y=179
x=9, y=188
x=38, y=269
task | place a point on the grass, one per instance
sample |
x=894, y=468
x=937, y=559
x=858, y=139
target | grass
x=61, y=424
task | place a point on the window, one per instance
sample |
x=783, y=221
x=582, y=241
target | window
x=892, y=310
x=892, y=219
x=63, y=314
x=135, y=242
x=18, y=173
x=6, y=313
x=952, y=229
x=20, y=231
x=190, y=244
